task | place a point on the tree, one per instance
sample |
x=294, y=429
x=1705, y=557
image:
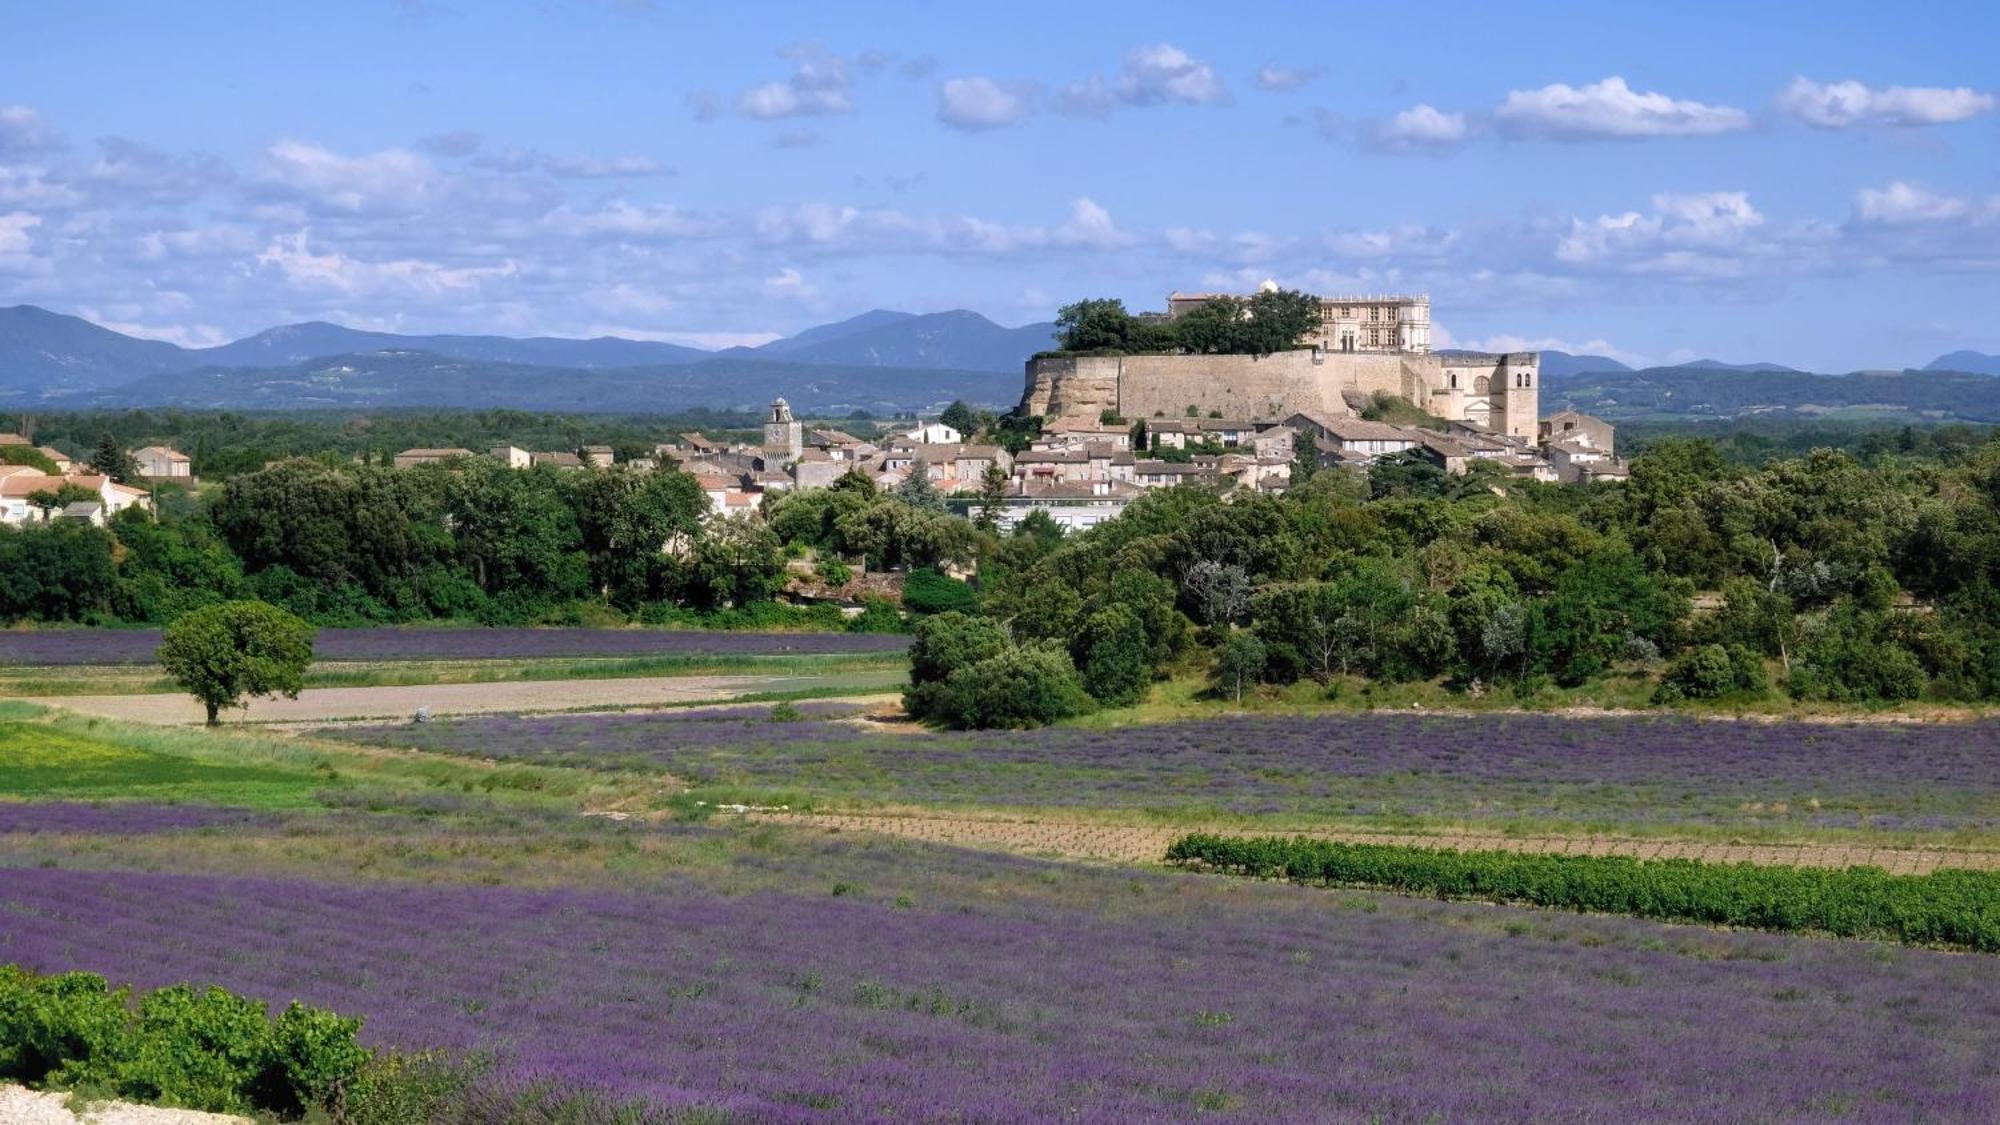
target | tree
x=944, y=644
x=917, y=490
x=1239, y=664
x=222, y=653
x=992, y=498
x=1305, y=457
x=110, y=459
x=1092, y=325
x=961, y=417
x=1218, y=593
x=1110, y=651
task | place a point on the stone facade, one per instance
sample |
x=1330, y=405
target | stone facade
x=1497, y=391
x=784, y=435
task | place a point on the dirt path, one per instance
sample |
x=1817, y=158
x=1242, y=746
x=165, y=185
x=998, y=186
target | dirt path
x=317, y=705
x=27, y=1107
x=1148, y=844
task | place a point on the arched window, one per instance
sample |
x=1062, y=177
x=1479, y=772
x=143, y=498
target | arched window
x=1482, y=385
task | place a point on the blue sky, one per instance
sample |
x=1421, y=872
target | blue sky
x=1815, y=184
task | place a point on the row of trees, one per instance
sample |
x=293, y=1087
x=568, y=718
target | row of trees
x=1272, y=320
x=344, y=544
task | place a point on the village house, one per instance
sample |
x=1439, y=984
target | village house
x=953, y=468
x=160, y=462
x=1577, y=428
x=1075, y=433
x=934, y=433
x=1073, y=505
x=1352, y=438
x=17, y=486
x=410, y=458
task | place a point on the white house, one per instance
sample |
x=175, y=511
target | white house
x=935, y=433
x=164, y=463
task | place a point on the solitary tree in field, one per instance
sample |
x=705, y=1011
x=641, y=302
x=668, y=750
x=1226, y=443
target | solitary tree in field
x=222, y=653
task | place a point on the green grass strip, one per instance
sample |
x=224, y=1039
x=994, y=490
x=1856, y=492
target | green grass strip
x=1955, y=908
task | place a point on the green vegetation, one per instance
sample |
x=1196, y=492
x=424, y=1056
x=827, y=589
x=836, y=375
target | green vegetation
x=1269, y=321
x=223, y=653
x=86, y=760
x=1954, y=908
x=224, y=443
x=207, y=1050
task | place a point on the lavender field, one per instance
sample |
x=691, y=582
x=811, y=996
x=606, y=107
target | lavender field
x=1631, y=772
x=799, y=979
x=136, y=646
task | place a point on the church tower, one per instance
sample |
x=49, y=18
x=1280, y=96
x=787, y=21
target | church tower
x=784, y=437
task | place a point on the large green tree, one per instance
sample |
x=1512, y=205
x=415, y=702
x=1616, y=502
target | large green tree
x=223, y=653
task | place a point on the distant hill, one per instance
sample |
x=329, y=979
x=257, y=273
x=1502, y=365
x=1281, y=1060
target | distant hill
x=1718, y=365
x=42, y=351
x=46, y=355
x=1555, y=363
x=959, y=340
x=1979, y=363
x=1720, y=391
x=409, y=378
x=296, y=343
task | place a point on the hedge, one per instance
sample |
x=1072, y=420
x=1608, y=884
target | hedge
x=208, y=1050
x=1948, y=907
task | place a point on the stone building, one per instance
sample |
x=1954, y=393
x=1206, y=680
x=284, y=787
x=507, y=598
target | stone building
x=784, y=435
x=1360, y=353
x=1383, y=323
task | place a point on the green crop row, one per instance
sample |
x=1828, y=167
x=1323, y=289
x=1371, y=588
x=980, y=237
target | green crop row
x=1949, y=907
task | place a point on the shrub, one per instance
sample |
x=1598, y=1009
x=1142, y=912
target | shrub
x=208, y=1050
x=878, y=615
x=943, y=645
x=1023, y=687
x=926, y=591
x=833, y=572
x=1950, y=907
x=1239, y=664
x=1713, y=672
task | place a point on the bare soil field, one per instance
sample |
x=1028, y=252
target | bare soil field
x=320, y=706
x=1148, y=844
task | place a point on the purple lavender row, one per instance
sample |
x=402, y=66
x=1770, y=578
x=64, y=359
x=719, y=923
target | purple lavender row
x=1269, y=1001
x=136, y=646
x=124, y=819
x=1663, y=770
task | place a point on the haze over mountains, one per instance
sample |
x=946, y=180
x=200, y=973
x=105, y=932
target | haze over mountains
x=877, y=361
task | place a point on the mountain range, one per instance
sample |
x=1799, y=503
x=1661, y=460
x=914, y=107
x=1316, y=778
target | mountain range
x=879, y=361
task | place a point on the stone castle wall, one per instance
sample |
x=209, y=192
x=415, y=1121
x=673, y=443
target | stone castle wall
x=1486, y=389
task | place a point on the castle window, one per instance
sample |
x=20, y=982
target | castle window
x=1482, y=385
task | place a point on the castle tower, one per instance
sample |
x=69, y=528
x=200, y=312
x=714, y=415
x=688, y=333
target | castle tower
x=784, y=436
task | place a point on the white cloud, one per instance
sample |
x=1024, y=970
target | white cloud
x=392, y=180
x=1277, y=76
x=818, y=85
x=16, y=247
x=1443, y=340
x=1150, y=75
x=979, y=103
x=826, y=227
x=1841, y=105
x=1901, y=203
x=22, y=130
x=1421, y=128
x=790, y=284
x=603, y=168
x=293, y=258
x=1611, y=109
x=626, y=220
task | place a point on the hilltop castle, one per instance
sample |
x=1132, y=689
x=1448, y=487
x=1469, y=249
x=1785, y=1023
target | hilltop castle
x=1365, y=346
